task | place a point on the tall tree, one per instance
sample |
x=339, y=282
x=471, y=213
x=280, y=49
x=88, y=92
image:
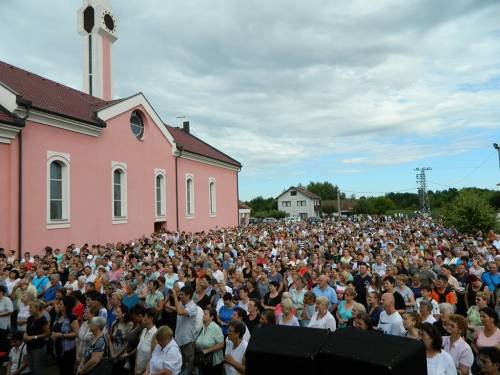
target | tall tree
x=469, y=213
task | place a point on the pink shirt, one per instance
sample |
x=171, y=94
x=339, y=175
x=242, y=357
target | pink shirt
x=482, y=340
x=460, y=351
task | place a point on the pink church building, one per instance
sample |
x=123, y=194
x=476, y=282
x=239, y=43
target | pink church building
x=82, y=167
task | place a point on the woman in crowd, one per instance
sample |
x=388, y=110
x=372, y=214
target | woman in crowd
x=64, y=332
x=272, y=298
x=411, y=322
x=374, y=308
x=84, y=334
x=488, y=334
x=309, y=308
x=23, y=311
x=117, y=338
x=375, y=284
x=405, y=291
x=37, y=329
x=362, y=321
x=474, y=286
x=267, y=318
x=95, y=359
x=166, y=357
x=297, y=293
x=226, y=312
x=415, y=285
x=154, y=298
x=210, y=342
x=322, y=318
x=234, y=359
x=456, y=346
x=344, y=312
x=473, y=315
x=287, y=318
x=439, y=362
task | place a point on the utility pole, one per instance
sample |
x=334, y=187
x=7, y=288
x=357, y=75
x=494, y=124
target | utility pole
x=422, y=189
x=338, y=202
x=496, y=147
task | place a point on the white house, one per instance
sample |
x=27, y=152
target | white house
x=299, y=202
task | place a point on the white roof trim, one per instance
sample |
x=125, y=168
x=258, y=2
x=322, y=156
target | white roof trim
x=207, y=160
x=8, y=98
x=130, y=103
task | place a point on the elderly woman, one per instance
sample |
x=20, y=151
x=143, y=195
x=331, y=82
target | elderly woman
x=287, y=318
x=23, y=311
x=234, y=360
x=211, y=341
x=455, y=345
x=445, y=310
x=166, y=358
x=322, y=318
x=84, y=334
x=95, y=359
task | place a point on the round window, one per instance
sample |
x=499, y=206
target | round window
x=136, y=125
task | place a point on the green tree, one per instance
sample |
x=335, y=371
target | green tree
x=326, y=190
x=469, y=213
x=363, y=206
x=329, y=206
x=382, y=204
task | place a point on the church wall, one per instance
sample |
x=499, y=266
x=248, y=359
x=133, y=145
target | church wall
x=226, y=199
x=9, y=173
x=91, y=183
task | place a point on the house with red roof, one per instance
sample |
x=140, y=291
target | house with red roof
x=83, y=167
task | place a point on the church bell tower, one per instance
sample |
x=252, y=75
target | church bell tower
x=98, y=27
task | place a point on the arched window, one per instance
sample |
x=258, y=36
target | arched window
x=160, y=194
x=189, y=195
x=57, y=190
x=212, y=196
x=119, y=192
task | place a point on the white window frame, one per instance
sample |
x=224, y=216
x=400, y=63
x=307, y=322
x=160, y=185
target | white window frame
x=115, y=165
x=163, y=195
x=212, y=198
x=64, y=159
x=189, y=213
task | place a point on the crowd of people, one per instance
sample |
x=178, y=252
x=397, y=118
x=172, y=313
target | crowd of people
x=171, y=303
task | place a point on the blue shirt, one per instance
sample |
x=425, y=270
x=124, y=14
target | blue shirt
x=130, y=301
x=225, y=314
x=50, y=292
x=490, y=280
x=40, y=283
x=329, y=293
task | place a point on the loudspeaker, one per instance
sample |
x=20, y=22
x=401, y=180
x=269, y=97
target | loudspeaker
x=371, y=352
x=284, y=350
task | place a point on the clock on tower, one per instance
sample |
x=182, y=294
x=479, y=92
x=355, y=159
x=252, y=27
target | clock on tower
x=97, y=25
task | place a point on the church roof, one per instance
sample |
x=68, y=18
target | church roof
x=52, y=97
x=190, y=143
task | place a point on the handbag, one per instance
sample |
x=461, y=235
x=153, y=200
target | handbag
x=203, y=360
x=104, y=366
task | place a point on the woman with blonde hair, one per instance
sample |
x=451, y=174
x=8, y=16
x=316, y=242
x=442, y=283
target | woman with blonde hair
x=411, y=322
x=322, y=318
x=455, y=344
x=287, y=318
x=473, y=313
x=166, y=357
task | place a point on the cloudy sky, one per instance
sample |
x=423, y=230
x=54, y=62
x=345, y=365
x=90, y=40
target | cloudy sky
x=358, y=93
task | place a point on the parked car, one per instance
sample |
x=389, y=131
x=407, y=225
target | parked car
x=292, y=220
x=269, y=220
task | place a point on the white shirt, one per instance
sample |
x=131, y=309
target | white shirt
x=144, y=349
x=391, y=324
x=14, y=355
x=5, y=305
x=441, y=364
x=238, y=354
x=326, y=322
x=430, y=319
x=168, y=358
x=460, y=351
